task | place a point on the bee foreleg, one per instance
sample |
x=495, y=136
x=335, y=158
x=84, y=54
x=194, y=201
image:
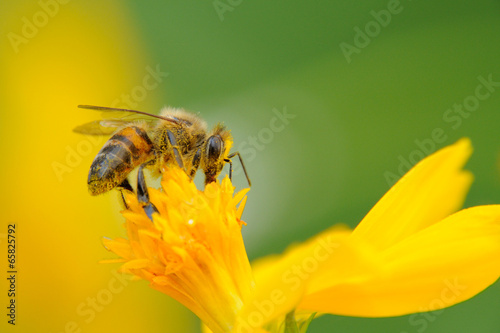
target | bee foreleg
x=195, y=163
x=175, y=149
x=227, y=160
x=242, y=164
x=143, y=194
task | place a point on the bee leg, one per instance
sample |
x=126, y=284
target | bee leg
x=143, y=194
x=227, y=160
x=175, y=149
x=195, y=164
x=242, y=164
x=125, y=186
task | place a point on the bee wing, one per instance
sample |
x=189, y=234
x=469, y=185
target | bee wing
x=115, y=118
x=101, y=127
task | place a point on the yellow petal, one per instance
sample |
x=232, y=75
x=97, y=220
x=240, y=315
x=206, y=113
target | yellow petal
x=444, y=264
x=430, y=191
x=205, y=329
x=193, y=250
x=282, y=280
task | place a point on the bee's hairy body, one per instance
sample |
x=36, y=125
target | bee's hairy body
x=126, y=149
x=181, y=138
x=189, y=135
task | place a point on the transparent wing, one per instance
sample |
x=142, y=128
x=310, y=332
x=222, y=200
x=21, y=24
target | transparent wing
x=101, y=127
x=114, y=118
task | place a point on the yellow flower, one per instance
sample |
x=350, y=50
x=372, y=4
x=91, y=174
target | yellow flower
x=407, y=255
x=193, y=251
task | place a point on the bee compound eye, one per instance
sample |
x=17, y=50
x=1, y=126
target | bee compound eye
x=214, y=147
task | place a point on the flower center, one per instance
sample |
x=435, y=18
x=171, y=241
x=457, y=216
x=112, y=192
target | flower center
x=193, y=250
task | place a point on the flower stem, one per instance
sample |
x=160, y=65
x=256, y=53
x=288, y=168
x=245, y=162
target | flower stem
x=291, y=323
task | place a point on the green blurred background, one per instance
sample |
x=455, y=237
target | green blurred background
x=354, y=123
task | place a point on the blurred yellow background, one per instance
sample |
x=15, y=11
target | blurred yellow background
x=326, y=117
x=83, y=54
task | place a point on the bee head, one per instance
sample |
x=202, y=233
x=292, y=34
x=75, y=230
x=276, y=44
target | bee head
x=216, y=150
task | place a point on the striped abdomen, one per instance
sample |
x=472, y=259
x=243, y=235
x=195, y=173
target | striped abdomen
x=125, y=150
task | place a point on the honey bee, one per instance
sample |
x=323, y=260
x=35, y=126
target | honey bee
x=145, y=140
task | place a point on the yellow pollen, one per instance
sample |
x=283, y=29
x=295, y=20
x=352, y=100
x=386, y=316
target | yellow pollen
x=192, y=250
